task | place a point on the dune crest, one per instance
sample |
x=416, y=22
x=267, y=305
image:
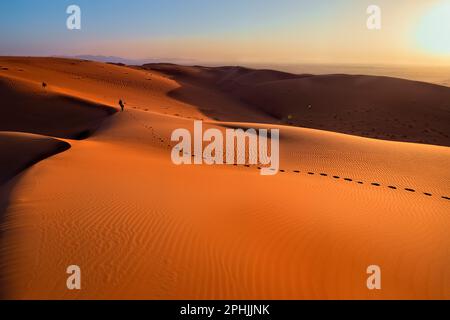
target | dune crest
x=369, y=106
x=21, y=150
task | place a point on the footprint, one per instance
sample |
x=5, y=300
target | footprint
x=376, y=184
x=410, y=190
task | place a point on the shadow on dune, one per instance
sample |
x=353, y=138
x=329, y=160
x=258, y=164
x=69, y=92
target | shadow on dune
x=32, y=109
x=5, y=194
x=368, y=106
x=19, y=151
x=31, y=116
x=206, y=88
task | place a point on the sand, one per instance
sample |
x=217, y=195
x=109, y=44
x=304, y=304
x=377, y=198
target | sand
x=58, y=114
x=20, y=150
x=141, y=227
x=369, y=106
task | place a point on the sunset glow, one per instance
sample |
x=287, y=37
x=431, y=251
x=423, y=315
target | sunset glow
x=433, y=33
x=234, y=31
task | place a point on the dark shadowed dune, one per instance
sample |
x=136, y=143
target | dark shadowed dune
x=18, y=151
x=31, y=115
x=29, y=108
x=369, y=106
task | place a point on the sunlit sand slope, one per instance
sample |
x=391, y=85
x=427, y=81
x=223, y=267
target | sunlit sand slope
x=141, y=227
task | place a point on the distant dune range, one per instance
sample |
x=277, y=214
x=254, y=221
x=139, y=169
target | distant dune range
x=369, y=106
x=141, y=227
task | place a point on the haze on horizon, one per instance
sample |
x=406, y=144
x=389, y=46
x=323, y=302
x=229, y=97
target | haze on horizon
x=238, y=32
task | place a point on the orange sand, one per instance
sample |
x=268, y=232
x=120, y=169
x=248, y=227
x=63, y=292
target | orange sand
x=141, y=227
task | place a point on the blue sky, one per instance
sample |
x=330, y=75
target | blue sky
x=254, y=30
x=44, y=20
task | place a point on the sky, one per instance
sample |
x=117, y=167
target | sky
x=232, y=31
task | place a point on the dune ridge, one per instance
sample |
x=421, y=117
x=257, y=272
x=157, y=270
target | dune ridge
x=21, y=150
x=369, y=106
x=28, y=107
x=40, y=112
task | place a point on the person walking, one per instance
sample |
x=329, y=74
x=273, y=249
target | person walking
x=121, y=104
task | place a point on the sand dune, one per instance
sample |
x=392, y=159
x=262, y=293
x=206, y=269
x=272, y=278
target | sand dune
x=368, y=106
x=28, y=107
x=20, y=150
x=141, y=227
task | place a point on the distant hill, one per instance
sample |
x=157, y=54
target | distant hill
x=133, y=62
